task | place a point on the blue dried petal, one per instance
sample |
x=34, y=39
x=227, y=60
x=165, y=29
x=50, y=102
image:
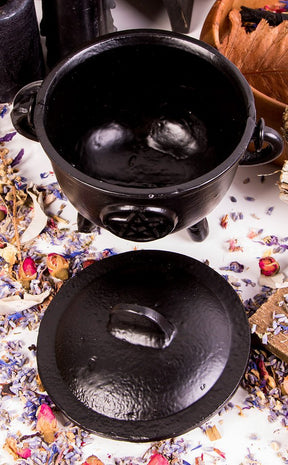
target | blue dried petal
x=3, y=111
x=250, y=199
x=15, y=316
x=58, y=194
x=44, y=175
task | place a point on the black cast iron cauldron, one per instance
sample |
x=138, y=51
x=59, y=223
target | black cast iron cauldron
x=144, y=345
x=143, y=95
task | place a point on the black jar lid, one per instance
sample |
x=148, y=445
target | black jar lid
x=143, y=345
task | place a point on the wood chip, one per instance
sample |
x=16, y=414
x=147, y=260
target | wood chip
x=263, y=319
x=213, y=433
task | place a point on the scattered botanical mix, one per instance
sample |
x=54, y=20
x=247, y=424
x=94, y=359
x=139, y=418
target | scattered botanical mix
x=257, y=44
x=30, y=277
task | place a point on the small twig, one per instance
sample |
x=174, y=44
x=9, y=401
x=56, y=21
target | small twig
x=15, y=224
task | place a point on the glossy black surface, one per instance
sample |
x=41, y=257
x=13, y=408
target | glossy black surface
x=69, y=25
x=143, y=345
x=148, y=183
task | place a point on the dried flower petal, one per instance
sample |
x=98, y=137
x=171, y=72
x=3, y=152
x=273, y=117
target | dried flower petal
x=46, y=423
x=269, y=266
x=158, y=459
x=58, y=266
x=224, y=221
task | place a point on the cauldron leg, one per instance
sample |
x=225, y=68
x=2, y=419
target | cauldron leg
x=199, y=231
x=84, y=225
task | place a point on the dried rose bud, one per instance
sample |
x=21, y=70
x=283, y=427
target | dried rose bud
x=46, y=423
x=93, y=460
x=269, y=266
x=12, y=447
x=158, y=459
x=27, y=272
x=3, y=212
x=58, y=266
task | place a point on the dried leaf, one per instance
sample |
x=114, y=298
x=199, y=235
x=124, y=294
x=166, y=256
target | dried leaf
x=261, y=55
x=39, y=220
x=15, y=303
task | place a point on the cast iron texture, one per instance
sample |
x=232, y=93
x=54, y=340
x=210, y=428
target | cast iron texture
x=143, y=345
x=21, y=59
x=132, y=76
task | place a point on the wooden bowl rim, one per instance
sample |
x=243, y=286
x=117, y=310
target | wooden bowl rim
x=212, y=22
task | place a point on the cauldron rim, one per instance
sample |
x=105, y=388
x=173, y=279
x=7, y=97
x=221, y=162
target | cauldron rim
x=167, y=38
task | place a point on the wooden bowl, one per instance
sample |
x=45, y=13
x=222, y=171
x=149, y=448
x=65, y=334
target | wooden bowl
x=214, y=29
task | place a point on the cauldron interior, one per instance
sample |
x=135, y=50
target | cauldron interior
x=136, y=81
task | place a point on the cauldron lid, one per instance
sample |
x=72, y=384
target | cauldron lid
x=143, y=345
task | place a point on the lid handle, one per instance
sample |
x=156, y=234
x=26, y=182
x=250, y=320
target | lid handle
x=140, y=325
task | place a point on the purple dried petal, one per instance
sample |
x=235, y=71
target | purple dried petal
x=269, y=210
x=234, y=266
x=250, y=199
x=233, y=199
x=8, y=137
x=271, y=240
x=18, y=158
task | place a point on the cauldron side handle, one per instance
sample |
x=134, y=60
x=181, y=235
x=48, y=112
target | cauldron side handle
x=269, y=152
x=23, y=109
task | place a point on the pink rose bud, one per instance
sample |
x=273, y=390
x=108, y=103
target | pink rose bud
x=27, y=272
x=11, y=446
x=58, y=266
x=46, y=423
x=268, y=266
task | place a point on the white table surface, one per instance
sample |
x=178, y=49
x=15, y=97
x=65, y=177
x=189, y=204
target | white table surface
x=249, y=438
